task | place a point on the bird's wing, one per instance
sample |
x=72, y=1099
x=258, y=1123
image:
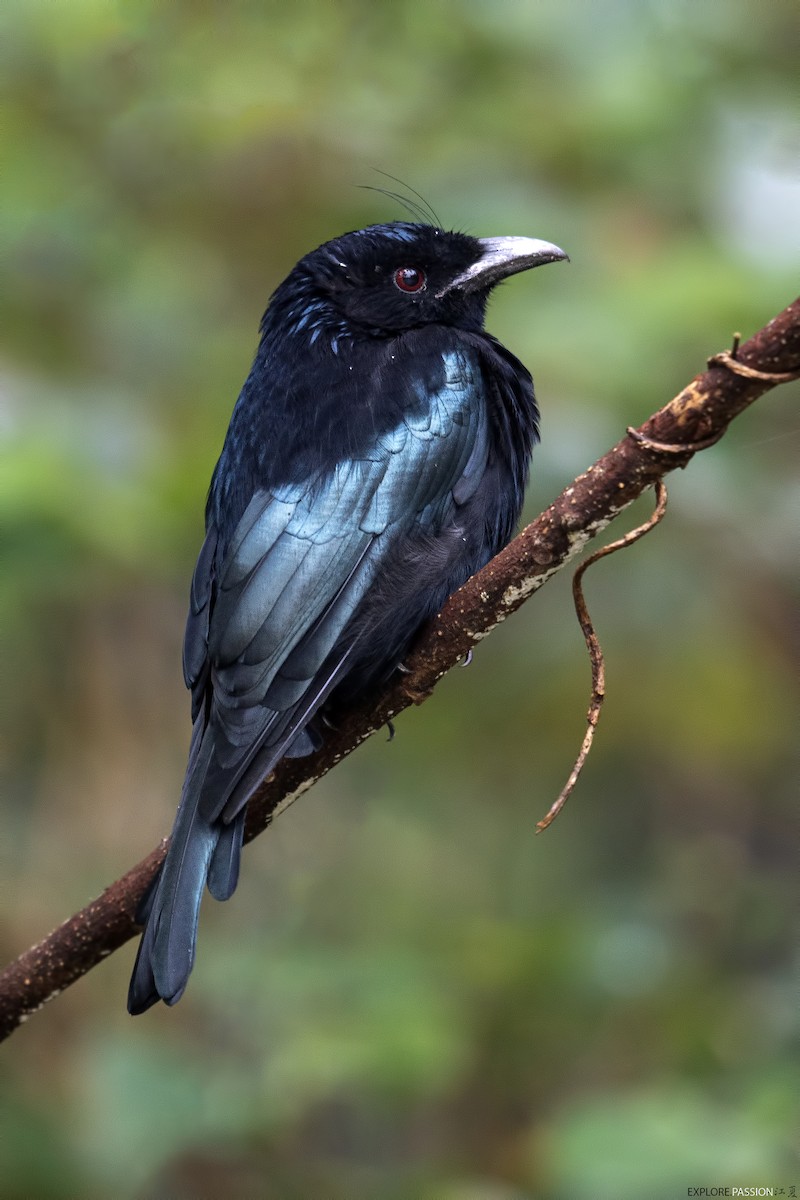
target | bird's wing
x=267, y=633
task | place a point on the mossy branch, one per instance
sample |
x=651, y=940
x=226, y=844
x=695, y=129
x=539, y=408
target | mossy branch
x=694, y=420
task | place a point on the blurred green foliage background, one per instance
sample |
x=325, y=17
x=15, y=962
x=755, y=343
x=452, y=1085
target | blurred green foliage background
x=410, y=995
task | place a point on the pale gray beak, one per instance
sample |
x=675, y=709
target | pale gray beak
x=501, y=257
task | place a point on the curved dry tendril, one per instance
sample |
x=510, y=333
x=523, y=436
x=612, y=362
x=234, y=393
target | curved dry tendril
x=728, y=359
x=595, y=652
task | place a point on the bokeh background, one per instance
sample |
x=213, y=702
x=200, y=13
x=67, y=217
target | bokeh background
x=410, y=995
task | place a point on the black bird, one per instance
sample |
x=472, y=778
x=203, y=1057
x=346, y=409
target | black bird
x=376, y=458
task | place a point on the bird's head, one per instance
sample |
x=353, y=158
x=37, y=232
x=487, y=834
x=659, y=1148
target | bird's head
x=388, y=278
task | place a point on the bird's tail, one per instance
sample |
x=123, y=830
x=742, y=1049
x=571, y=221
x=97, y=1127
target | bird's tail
x=206, y=840
x=200, y=851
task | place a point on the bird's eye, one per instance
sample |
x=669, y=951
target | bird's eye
x=409, y=279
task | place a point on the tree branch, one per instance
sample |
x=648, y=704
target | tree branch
x=692, y=421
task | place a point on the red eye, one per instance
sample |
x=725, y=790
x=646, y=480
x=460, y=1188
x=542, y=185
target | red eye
x=409, y=279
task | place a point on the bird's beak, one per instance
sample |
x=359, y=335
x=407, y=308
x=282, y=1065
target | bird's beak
x=501, y=257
